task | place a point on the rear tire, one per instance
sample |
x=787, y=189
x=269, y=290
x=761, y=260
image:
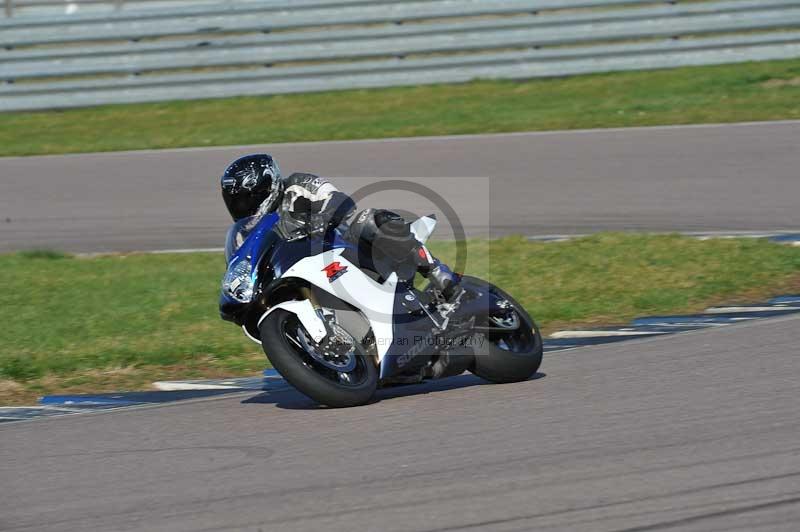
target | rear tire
x=500, y=365
x=303, y=374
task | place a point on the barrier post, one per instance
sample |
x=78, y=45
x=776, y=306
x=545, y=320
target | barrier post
x=9, y=7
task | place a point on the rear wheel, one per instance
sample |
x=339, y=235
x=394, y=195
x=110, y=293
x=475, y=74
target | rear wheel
x=513, y=351
x=337, y=373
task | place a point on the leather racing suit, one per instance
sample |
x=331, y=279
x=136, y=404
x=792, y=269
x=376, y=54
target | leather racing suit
x=383, y=239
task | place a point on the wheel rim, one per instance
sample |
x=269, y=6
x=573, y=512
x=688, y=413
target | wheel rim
x=341, y=364
x=520, y=336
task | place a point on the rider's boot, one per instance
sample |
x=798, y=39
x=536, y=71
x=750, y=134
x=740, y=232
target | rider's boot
x=439, y=275
x=445, y=281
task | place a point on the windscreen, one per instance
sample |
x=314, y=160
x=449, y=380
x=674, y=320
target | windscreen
x=237, y=234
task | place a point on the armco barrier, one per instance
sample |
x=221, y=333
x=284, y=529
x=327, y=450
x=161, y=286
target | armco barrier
x=206, y=50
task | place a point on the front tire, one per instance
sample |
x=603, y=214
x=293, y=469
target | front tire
x=508, y=357
x=302, y=371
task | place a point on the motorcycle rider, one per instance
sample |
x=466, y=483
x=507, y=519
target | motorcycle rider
x=252, y=186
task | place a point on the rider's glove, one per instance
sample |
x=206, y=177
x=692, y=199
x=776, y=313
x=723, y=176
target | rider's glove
x=317, y=224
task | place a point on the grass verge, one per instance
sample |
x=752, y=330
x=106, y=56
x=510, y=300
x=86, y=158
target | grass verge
x=727, y=93
x=122, y=321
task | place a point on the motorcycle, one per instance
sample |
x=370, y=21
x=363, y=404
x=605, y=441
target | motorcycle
x=336, y=331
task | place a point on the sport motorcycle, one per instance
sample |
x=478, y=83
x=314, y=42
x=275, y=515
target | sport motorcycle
x=337, y=330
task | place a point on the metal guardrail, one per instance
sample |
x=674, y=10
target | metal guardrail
x=12, y=8
x=26, y=7
x=101, y=9
x=220, y=50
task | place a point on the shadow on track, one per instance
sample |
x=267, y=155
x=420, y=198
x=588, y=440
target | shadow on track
x=292, y=399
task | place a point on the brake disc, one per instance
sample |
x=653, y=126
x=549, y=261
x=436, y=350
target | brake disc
x=336, y=352
x=508, y=321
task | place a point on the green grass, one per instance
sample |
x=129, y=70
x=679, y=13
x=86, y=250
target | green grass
x=729, y=93
x=121, y=321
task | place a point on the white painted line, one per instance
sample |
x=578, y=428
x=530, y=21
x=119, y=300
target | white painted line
x=731, y=236
x=189, y=250
x=62, y=409
x=731, y=310
x=41, y=407
x=174, y=386
x=556, y=238
x=603, y=334
x=692, y=323
x=547, y=239
x=700, y=235
x=149, y=252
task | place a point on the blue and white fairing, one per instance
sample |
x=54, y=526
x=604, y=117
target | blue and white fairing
x=241, y=277
x=399, y=333
x=263, y=252
x=262, y=257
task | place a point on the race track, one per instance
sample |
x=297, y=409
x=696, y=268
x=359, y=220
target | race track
x=690, y=432
x=692, y=178
x=696, y=431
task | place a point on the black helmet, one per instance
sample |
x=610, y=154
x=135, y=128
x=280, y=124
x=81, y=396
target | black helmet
x=251, y=184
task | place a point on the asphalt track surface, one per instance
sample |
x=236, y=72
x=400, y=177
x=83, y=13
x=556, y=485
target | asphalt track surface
x=690, y=178
x=690, y=432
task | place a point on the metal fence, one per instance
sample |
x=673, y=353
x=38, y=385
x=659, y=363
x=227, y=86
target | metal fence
x=143, y=53
x=23, y=8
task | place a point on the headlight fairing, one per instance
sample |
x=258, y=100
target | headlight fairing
x=238, y=281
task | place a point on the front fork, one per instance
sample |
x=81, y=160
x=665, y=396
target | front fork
x=308, y=293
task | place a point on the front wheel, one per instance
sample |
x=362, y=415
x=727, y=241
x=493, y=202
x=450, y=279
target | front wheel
x=338, y=373
x=513, y=350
